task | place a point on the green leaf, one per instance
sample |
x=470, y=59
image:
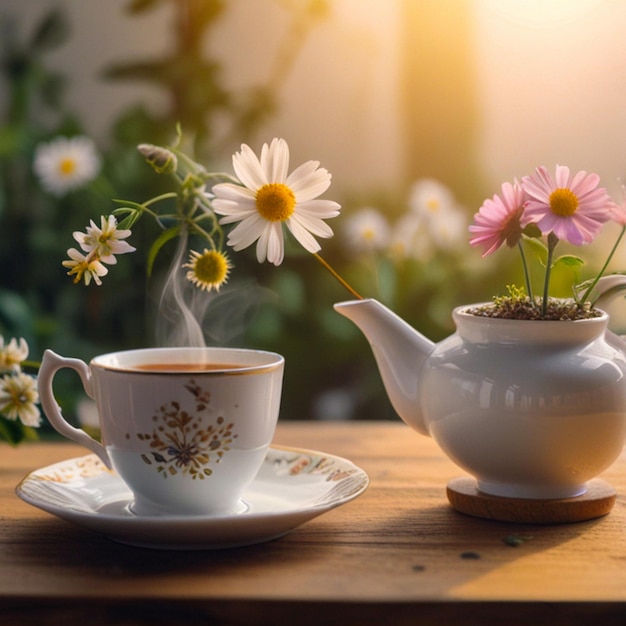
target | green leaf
x=161, y=240
x=539, y=248
x=131, y=217
x=532, y=230
x=569, y=260
x=16, y=316
x=13, y=431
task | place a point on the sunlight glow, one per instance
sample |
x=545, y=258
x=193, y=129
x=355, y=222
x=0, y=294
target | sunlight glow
x=541, y=13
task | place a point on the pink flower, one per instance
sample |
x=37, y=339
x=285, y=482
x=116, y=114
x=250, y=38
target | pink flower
x=499, y=220
x=573, y=208
x=618, y=213
x=618, y=210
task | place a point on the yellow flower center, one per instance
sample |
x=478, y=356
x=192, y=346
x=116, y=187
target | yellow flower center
x=432, y=204
x=67, y=166
x=275, y=202
x=211, y=268
x=563, y=202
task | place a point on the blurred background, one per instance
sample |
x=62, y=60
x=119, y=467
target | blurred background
x=420, y=109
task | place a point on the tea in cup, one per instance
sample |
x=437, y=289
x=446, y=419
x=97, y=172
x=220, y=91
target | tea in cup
x=186, y=429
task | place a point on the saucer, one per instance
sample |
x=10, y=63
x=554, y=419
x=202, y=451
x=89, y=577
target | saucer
x=292, y=487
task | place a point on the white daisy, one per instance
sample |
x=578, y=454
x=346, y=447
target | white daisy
x=367, y=230
x=408, y=241
x=18, y=399
x=440, y=217
x=270, y=197
x=449, y=232
x=105, y=241
x=66, y=163
x=429, y=196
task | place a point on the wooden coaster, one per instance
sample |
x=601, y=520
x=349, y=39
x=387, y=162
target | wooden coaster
x=596, y=502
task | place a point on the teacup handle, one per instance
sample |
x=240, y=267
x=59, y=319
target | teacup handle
x=50, y=365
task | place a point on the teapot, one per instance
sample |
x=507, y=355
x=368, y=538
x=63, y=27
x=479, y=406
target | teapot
x=531, y=409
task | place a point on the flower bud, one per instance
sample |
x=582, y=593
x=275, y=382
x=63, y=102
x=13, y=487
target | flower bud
x=162, y=160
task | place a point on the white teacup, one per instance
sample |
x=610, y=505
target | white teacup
x=186, y=429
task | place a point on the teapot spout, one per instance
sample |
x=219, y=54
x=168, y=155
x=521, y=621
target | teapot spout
x=400, y=352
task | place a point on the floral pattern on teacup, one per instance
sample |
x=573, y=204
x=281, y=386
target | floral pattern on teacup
x=179, y=445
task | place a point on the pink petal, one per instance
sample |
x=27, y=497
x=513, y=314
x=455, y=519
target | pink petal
x=562, y=177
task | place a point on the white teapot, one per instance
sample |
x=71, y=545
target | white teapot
x=532, y=409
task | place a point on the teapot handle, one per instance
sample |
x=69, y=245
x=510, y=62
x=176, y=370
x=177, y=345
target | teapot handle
x=50, y=365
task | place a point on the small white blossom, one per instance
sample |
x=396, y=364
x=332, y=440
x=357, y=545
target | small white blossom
x=12, y=354
x=367, y=230
x=448, y=230
x=104, y=241
x=441, y=220
x=430, y=196
x=66, y=164
x=406, y=241
x=18, y=399
x=84, y=267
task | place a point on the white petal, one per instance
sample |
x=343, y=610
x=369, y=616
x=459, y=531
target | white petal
x=272, y=239
x=261, y=248
x=248, y=168
x=275, y=161
x=230, y=191
x=305, y=239
x=322, y=209
x=307, y=184
x=234, y=208
x=236, y=215
x=313, y=225
x=121, y=247
x=247, y=232
x=75, y=255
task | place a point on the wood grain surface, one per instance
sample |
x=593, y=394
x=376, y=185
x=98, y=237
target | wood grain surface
x=398, y=554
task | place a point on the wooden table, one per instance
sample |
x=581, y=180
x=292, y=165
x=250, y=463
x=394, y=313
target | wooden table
x=397, y=554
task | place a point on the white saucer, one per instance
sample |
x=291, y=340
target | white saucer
x=292, y=487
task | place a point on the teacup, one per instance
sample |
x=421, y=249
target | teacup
x=186, y=429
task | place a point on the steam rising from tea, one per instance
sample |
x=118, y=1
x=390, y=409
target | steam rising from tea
x=191, y=317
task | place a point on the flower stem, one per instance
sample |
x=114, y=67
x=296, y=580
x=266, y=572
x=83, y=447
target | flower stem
x=552, y=241
x=594, y=282
x=337, y=277
x=529, y=289
x=163, y=196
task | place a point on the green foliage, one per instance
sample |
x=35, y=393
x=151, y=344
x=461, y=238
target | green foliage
x=14, y=432
x=286, y=309
x=538, y=248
